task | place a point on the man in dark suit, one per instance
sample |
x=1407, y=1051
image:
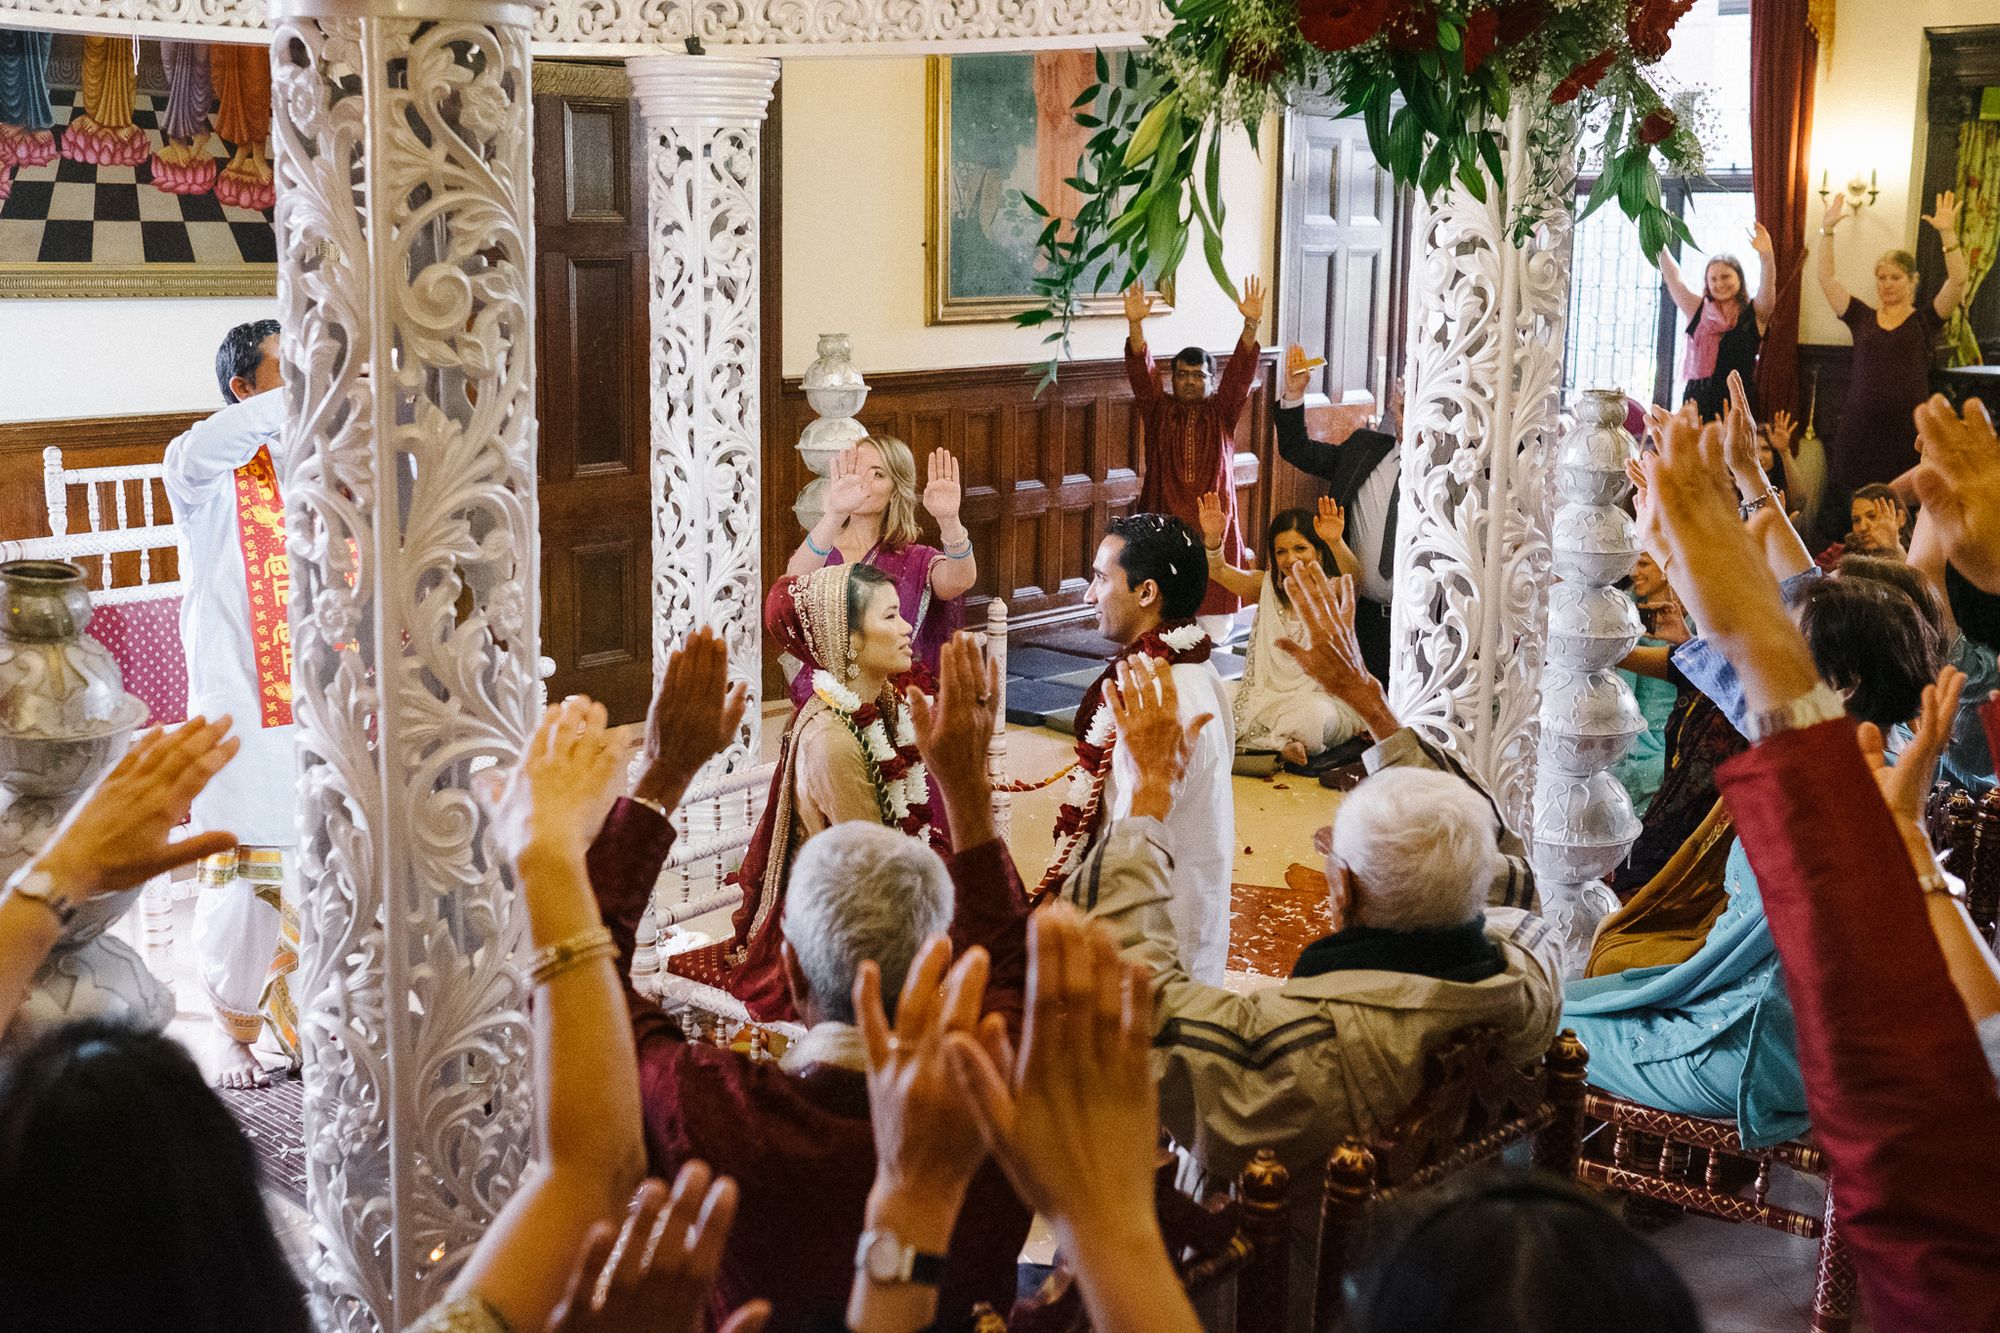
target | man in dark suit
x=1361, y=473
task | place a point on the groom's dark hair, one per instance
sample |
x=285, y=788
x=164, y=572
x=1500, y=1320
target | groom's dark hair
x=1162, y=548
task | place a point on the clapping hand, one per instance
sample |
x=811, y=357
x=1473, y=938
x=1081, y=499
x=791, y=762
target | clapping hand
x=1739, y=432
x=695, y=714
x=1138, y=305
x=1958, y=482
x=117, y=836
x=954, y=731
x=942, y=492
x=1333, y=657
x=555, y=798
x=1073, y=1119
x=1251, y=307
x=1944, y=217
x=1331, y=521
x=655, y=1273
x=846, y=488
x=1213, y=525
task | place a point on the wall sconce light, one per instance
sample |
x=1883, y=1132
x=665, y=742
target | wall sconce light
x=1859, y=194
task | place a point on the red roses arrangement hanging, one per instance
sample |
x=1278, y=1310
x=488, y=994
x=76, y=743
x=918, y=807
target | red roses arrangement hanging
x=1433, y=80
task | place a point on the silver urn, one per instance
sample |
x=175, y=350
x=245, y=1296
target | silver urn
x=1589, y=720
x=1592, y=628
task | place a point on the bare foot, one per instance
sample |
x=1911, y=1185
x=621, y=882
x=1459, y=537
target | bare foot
x=1295, y=753
x=237, y=1068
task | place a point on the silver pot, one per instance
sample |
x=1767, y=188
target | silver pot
x=1589, y=720
x=1593, y=544
x=1583, y=826
x=1591, y=627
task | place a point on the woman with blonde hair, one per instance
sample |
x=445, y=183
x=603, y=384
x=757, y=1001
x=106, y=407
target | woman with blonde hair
x=1891, y=375
x=871, y=518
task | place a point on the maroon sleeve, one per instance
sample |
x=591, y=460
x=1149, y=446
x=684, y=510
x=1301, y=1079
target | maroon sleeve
x=1989, y=714
x=992, y=911
x=1143, y=374
x=624, y=864
x=1900, y=1093
x=1237, y=381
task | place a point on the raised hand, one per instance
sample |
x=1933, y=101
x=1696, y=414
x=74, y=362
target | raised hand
x=1298, y=372
x=1213, y=525
x=1944, y=217
x=1907, y=782
x=846, y=488
x=1651, y=540
x=1666, y=621
x=1145, y=712
x=1138, y=305
x=1783, y=427
x=953, y=731
x=695, y=714
x=942, y=491
x=1836, y=209
x=1073, y=1120
x=655, y=1273
x=1331, y=521
x=1252, y=305
x=1333, y=657
x=1958, y=482
x=555, y=798
x=1739, y=436
x=1760, y=240
x=927, y=1145
x=117, y=835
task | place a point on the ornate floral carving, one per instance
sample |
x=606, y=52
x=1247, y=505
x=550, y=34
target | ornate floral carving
x=405, y=285
x=1484, y=368
x=703, y=124
x=768, y=25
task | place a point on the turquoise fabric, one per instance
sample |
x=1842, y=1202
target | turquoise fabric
x=1644, y=766
x=1678, y=1037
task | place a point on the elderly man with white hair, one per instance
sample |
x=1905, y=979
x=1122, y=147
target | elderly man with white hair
x=1338, y=1047
x=795, y=1133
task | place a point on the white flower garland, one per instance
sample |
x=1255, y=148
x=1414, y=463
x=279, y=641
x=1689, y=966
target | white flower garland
x=1185, y=639
x=896, y=797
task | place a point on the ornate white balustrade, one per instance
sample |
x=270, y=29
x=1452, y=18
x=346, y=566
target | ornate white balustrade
x=406, y=293
x=628, y=27
x=1483, y=372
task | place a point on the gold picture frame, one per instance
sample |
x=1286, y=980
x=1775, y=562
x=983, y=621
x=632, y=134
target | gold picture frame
x=212, y=246
x=983, y=277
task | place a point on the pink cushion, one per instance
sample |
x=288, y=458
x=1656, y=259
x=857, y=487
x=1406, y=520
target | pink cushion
x=145, y=639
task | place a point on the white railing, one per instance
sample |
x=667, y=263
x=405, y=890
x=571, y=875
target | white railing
x=122, y=490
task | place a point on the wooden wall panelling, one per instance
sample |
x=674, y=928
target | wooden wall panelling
x=87, y=442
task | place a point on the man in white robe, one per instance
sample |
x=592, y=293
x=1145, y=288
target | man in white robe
x=1146, y=585
x=222, y=479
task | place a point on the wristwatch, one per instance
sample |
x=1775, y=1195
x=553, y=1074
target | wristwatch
x=40, y=886
x=1754, y=503
x=1819, y=704
x=883, y=1258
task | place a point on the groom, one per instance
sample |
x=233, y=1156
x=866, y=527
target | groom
x=1146, y=586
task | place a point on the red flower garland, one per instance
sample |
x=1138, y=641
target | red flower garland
x=1482, y=35
x=1337, y=25
x=1581, y=79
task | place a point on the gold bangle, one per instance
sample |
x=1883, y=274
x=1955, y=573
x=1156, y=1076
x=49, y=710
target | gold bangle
x=651, y=804
x=583, y=947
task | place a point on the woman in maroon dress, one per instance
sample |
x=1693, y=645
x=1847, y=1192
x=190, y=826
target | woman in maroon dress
x=1891, y=374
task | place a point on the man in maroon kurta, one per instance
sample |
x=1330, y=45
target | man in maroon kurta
x=1190, y=444
x=795, y=1135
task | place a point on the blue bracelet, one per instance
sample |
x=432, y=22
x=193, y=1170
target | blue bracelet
x=814, y=549
x=959, y=555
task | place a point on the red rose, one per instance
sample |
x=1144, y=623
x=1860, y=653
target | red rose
x=1648, y=24
x=1521, y=20
x=1337, y=25
x=1482, y=34
x=1656, y=127
x=1581, y=79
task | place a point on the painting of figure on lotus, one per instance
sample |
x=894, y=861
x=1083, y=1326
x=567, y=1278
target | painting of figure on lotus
x=134, y=167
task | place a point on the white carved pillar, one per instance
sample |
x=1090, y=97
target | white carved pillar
x=405, y=287
x=704, y=119
x=1488, y=302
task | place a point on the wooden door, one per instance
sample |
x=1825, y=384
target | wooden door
x=1336, y=232
x=591, y=386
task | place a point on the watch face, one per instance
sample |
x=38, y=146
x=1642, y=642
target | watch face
x=883, y=1261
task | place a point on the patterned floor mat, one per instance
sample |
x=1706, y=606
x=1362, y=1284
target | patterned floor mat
x=273, y=1118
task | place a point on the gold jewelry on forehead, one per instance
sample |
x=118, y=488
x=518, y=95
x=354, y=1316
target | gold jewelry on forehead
x=822, y=605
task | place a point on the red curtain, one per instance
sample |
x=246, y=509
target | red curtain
x=1783, y=54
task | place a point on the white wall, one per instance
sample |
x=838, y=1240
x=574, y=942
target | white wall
x=854, y=181
x=1868, y=114
x=91, y=358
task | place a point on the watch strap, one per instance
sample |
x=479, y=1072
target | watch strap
x=1819, y=704
x=40, y=886
x=908, y=1264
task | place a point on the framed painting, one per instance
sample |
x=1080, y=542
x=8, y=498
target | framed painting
x=1001, y=130
x=133, y=167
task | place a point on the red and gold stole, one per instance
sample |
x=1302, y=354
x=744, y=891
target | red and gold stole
x=260, y=530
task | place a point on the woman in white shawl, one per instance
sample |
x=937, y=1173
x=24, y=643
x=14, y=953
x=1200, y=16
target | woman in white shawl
x=1278, y=707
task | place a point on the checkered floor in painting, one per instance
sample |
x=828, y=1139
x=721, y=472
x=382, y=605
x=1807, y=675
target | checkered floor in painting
x=74, y=212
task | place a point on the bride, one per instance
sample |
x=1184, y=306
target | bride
x=849, y=754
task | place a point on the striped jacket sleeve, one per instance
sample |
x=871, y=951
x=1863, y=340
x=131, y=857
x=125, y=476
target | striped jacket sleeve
x=1514, y=880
